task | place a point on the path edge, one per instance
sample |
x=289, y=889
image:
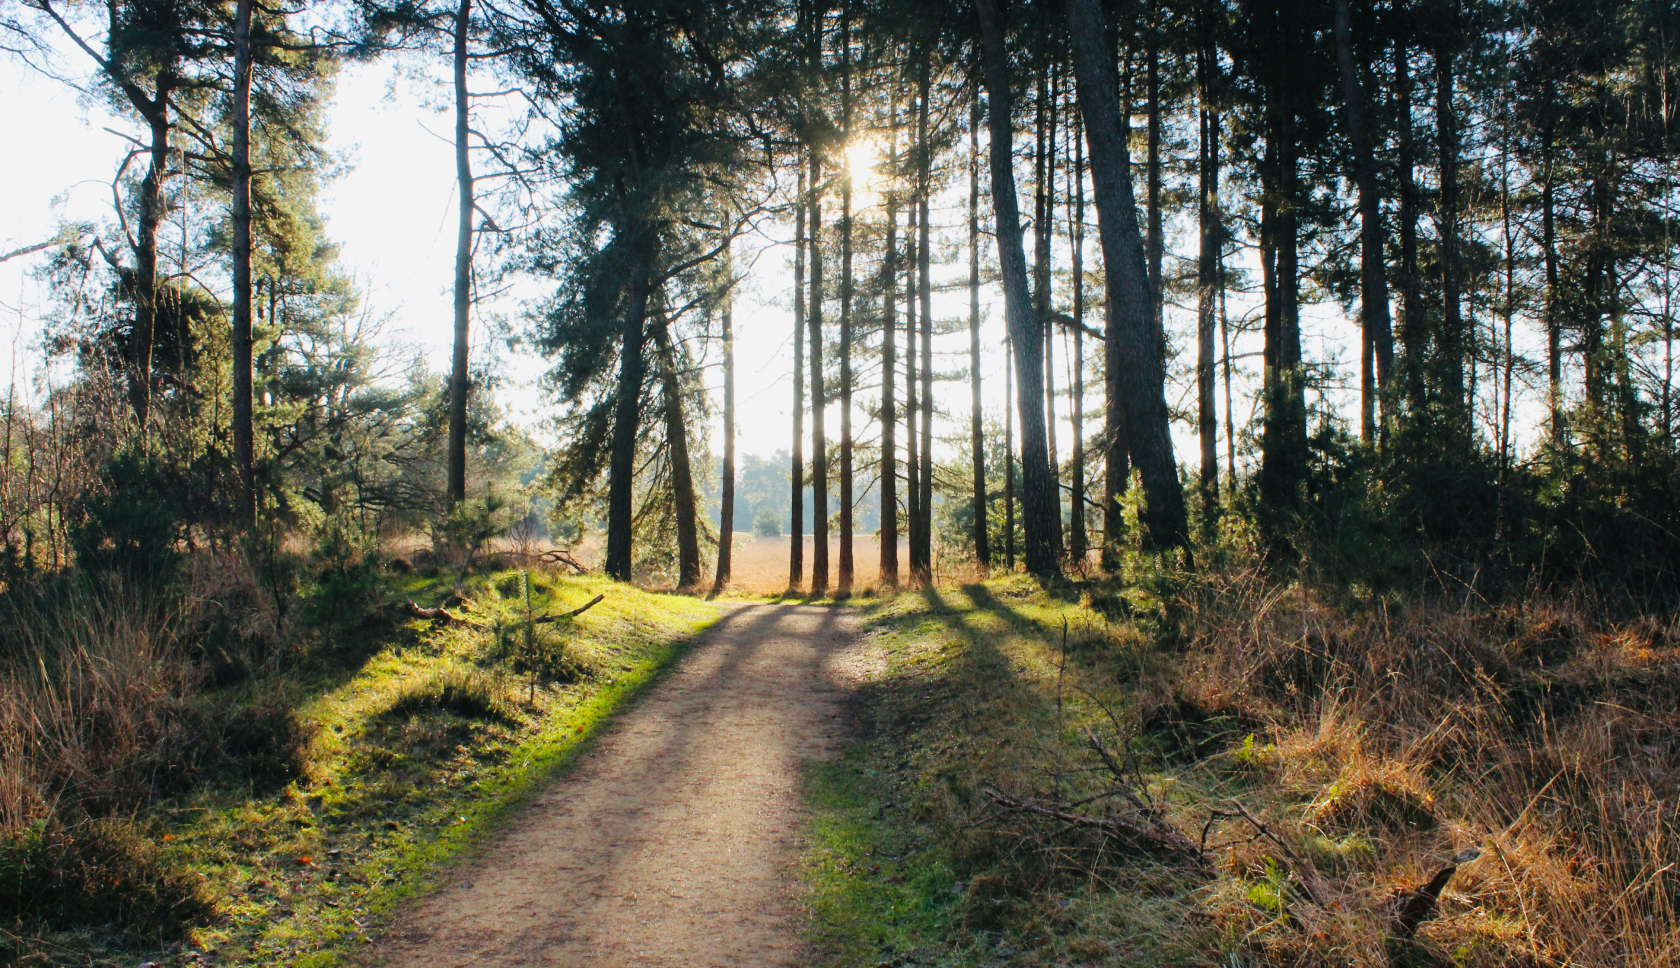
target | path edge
x=429, y=868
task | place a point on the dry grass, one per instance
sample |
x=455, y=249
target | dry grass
x=1373, y=742
x=1542, y=733
x=103, y=715
x=759, y=566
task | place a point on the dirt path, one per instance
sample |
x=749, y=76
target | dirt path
x=673, y=841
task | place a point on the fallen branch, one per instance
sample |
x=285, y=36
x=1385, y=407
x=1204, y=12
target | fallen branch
x=1144, y=828
x=561, y=556
x=574, y=613
x=439, y=614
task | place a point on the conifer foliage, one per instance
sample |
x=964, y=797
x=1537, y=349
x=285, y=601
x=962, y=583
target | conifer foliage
x=1401, y=270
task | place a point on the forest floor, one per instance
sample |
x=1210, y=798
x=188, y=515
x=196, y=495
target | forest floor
x=676, y=840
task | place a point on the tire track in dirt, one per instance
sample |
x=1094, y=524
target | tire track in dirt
x=674, y=840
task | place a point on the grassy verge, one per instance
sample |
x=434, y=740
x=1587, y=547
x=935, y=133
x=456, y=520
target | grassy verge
x=413, y=750
x=1370, y=743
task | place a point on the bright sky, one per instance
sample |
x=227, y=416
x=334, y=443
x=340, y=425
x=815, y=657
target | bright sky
x=393, y=214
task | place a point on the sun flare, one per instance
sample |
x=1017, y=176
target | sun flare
x=862, y=155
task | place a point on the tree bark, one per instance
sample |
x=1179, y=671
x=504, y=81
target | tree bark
x=1038, y=504
x=1008, y=457
x=1373, y=274
x=1153, y=163
x=977, y=440
x=1135, y=335
x=244, y=439
x=1413, y=330
x=152, y=210
x=726, y=490
x=889, y=405
x=1207, y=273
x=844, y=578
x=1554, y=322
x=458, y=386
x=1078, y=547
x=922, y=559
x=912, y=397
x=682, y=472
x=1044, y=234
x=819, y=396
x=1452, y=344
x=796, y=529
x=627, y=415
x=1283, y=437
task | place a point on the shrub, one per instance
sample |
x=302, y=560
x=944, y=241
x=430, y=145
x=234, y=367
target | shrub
x=102, y=873
x=465, y=694
x=135, y=523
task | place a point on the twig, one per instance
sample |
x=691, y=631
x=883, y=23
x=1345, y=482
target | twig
x=1146, y=830
x=1305, y=875
x=560, y=556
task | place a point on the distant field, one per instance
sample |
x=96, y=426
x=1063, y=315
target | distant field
x=760, y=565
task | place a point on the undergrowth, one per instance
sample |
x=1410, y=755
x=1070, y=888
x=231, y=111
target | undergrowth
x=186, y=780
x=1322, y=757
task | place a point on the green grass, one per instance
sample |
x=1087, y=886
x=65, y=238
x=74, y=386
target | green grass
x=432, y=740
x=900, y=868
x=874, y=893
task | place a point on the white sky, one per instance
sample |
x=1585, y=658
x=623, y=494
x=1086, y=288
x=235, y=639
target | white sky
x=393, y=214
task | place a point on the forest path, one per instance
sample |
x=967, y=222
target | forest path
x=674, y=840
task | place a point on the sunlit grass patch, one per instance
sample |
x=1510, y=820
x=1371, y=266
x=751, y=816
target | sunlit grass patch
x=1331, y=761
x=410, y=752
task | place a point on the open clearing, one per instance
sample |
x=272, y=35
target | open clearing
x=674, y=841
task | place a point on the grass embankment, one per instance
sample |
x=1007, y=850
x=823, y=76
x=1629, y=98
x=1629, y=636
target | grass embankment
x=412, y=739
x=1369, y=742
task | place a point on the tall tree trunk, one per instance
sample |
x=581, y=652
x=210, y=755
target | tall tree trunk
x=796, y=529
x=1117, y=460
x=912, y=397
x=1508, y=310
x=977, y=440
x=1596, y=283
x=1077, y=546
x=244, y=438
x=458, y=387
x=154, y=109
x=152, y=210
x=921, y=557
x=1373, y=276
x=889, y=413
x=1554, y=321
x=1283, y=436
x=1414, y=336
x=819, y=397
x=1044, y=236
x=1038, y=505
x=682, y=472
x=726, y=495
x=1008, y=457
x=627, y=413
x=1207, y=272
x=844, y=578
x=1225, y=356
x=1135, y=331
x=1452, y=344
x=1153, y=244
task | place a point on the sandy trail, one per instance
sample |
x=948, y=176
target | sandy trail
x=673, y=841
